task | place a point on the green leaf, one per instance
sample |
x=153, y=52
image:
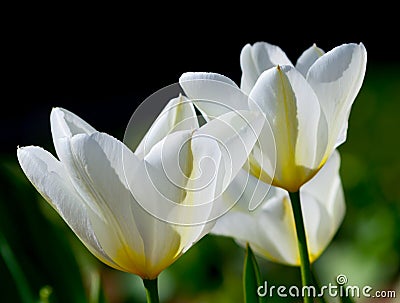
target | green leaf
x=42, y=245
x=16, y=272
x=251, y=278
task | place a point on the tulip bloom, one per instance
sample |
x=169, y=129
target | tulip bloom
x=257, y=58
x=105, y=192
x=307, y=108
x=270, y=229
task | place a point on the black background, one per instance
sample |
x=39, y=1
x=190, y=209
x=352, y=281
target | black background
x=102, y=64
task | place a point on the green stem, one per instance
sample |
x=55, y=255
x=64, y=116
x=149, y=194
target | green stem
x=151, y=290
x=305, y=266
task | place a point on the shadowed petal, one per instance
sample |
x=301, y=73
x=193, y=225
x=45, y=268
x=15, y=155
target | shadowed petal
x=213, y=94
x=179, y=114
x=66, y=124
x=336, y=78
x=256, y=59
x=307, y=58
x=49, y=177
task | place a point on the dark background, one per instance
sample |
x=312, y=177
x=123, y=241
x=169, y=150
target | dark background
x=101, y=64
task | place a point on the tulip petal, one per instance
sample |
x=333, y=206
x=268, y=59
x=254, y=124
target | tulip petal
x=278, y=226
x=169, y=165
x=246, y=192
x=181, y=185
x=180, y=179
x=317, y=225
x=220, y=149
x=49, y=177
x=256, y=59
x=134, y=237
x=336, y=78
x=213, y=94
x=262, y=160
x=179, y=114
x=326, y=189
x=269, y=229
x=66, y=124
x=236, y=133
x=152, y=189
x=293, y=112
x=307, y=58
x=217, y=152
x=203, y=194
x=94, y=163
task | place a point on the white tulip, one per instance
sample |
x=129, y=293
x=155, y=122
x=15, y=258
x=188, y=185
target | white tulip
x=119, y=203
x=307, y=108
x=257, y=58
x=270, y=229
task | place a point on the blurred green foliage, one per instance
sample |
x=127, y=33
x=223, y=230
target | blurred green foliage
x=41, y=260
